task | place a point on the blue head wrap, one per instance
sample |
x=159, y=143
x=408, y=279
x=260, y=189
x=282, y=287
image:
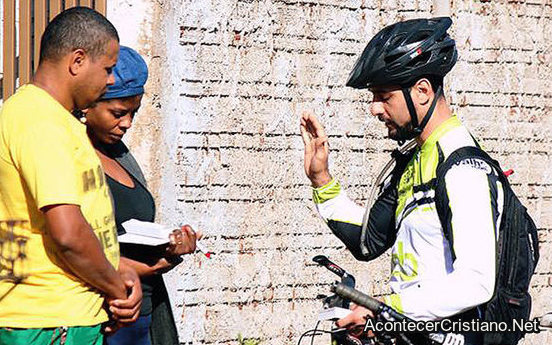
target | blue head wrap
x=131, y=73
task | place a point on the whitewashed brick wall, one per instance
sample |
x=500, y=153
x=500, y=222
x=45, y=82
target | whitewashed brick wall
x=218, y=137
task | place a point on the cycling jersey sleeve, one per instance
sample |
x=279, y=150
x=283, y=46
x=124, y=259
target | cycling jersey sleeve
x=344, y=218
x=475, y=200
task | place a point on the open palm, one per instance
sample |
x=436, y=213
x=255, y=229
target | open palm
x=316, y=150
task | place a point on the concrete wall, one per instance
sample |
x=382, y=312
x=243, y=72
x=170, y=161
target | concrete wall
x=218, y=138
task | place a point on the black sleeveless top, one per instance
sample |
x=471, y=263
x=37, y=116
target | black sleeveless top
x=136, y=203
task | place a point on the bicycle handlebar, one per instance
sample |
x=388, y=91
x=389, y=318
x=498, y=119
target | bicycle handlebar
x=357, y=297
x=390, y=314
x=371, y=303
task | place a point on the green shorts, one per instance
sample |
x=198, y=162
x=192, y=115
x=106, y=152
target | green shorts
x=90, y=335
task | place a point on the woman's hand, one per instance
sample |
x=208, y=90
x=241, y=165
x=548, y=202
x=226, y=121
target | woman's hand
x=164, y=265
x=183, y=241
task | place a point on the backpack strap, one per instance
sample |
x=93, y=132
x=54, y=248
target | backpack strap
x=441, y=196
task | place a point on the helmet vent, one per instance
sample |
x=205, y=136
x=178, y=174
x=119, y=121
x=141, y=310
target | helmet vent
x=396, y=41
x=391, y=58
x=419, y=37
x=419, y=60
x=448, y=54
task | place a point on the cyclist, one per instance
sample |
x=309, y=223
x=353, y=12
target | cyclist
x=403, y=66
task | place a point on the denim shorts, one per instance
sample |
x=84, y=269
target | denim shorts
x=136, y=334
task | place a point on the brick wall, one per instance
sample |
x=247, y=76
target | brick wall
x=502, y=89
x=219, y=140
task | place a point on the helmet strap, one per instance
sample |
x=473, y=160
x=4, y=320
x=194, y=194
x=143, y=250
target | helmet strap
x=415, y=129
x=411, y=108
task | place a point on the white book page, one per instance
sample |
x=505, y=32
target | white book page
x=145, y=233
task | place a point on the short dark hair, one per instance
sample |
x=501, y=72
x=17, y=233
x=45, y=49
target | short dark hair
x=434, y=80
x=77, y=27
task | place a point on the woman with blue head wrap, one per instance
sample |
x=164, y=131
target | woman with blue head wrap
x=107, y=122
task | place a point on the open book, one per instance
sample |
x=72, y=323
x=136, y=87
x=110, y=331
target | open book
x=145, y=233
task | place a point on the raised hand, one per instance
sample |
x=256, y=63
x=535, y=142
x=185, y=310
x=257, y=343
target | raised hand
x=316, y=150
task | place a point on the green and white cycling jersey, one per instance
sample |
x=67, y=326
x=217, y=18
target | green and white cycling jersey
x=427, y=283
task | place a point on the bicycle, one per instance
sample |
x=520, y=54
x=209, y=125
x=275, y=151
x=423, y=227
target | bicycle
x=345, y=293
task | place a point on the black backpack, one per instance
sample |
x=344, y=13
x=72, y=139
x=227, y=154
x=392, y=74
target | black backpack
x=517, y=249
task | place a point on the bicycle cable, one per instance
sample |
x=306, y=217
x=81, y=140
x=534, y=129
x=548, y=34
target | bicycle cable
x=315, y=329
x=313, y=333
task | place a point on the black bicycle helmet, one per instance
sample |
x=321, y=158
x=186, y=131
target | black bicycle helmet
x=402, y=53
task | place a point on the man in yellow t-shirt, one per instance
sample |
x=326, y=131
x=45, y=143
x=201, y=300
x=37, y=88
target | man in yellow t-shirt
x=59, y=253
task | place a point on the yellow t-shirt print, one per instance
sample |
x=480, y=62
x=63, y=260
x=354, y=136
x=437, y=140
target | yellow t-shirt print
x=46, y=159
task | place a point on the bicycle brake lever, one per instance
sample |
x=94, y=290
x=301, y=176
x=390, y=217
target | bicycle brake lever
x=322, y=260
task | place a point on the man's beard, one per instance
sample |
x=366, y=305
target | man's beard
x=403, y=133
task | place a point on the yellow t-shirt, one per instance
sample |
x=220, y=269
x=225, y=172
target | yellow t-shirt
x=45, y=159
